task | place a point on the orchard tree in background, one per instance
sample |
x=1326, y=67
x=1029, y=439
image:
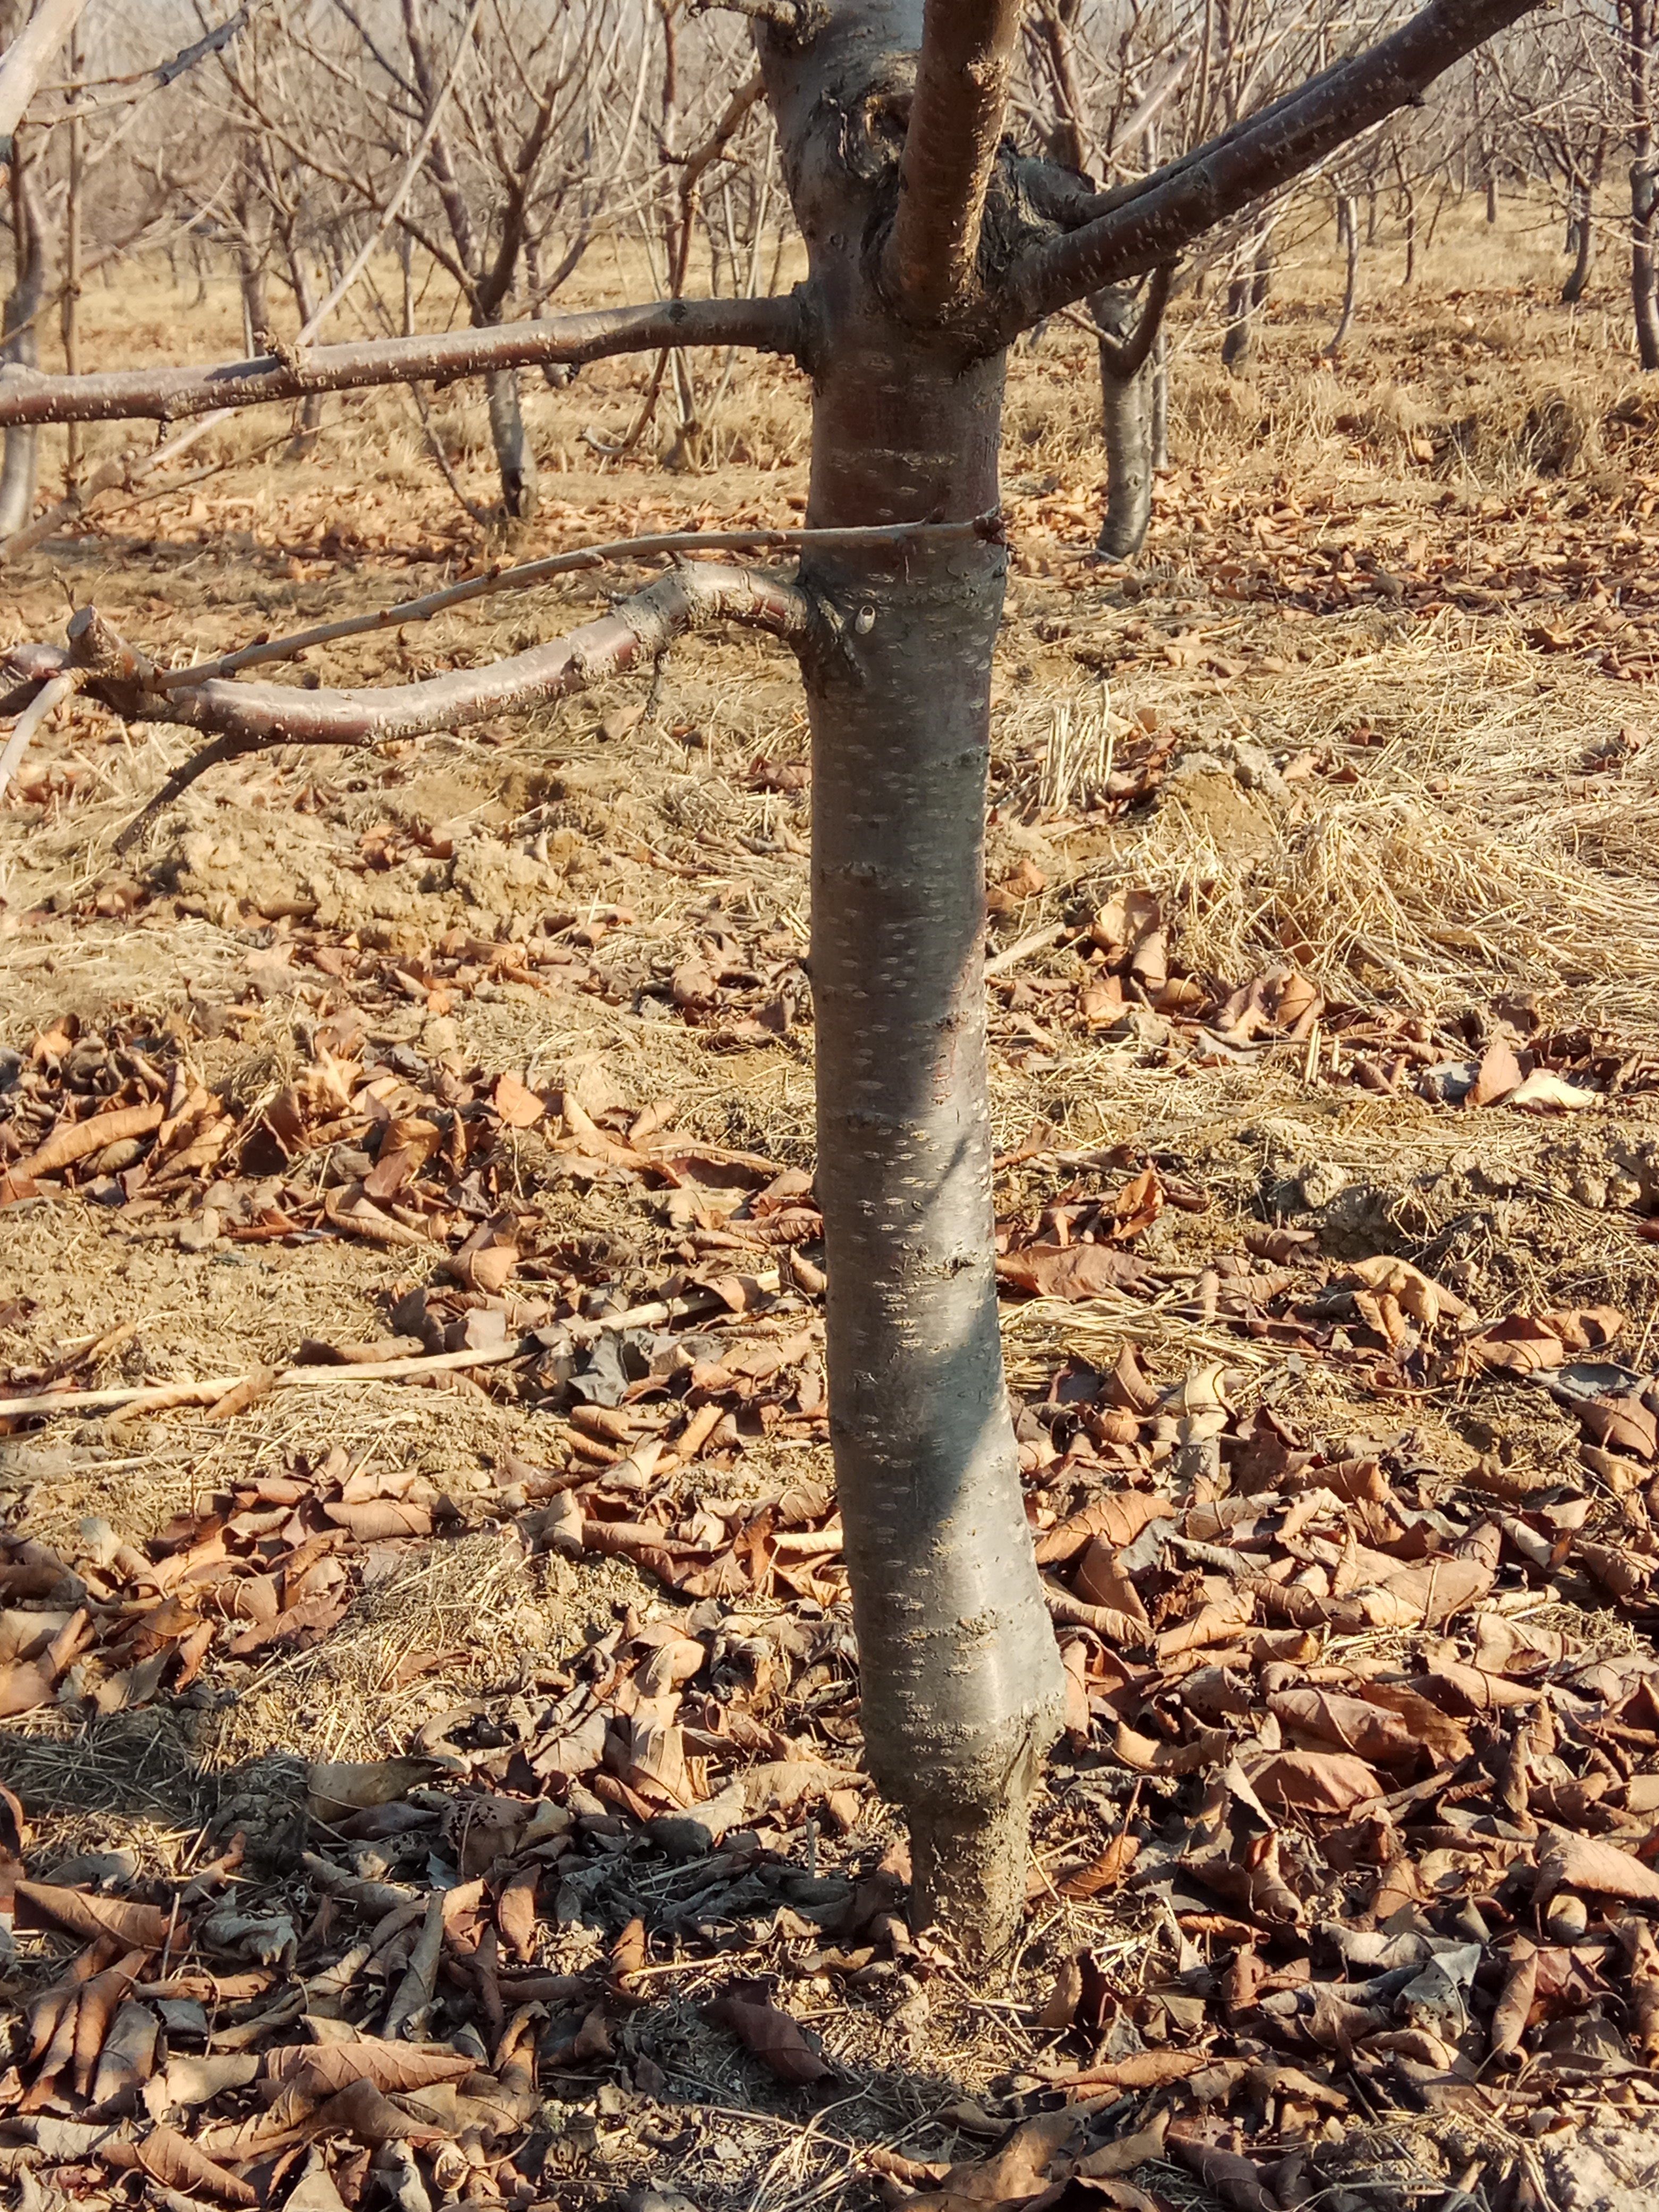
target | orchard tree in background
x=931, y=246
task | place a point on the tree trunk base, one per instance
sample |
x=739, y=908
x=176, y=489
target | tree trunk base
x=967, y=1871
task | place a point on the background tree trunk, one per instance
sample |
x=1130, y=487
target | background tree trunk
x=1643, y=197
x=1584, y=244
x=69, y=309
x=1636, y=19
x=515, y=457
x=1126, y=408
x=1238, y=341
x=20, y=466
x=305, y=304
x=1247, y=294
x=1347, y=225
x=1160, y=401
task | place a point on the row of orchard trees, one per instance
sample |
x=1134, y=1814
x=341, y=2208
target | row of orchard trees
x=487, y=148
x=1550, y=113
x=486, y=145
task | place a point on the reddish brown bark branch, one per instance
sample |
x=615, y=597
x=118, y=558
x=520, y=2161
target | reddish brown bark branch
x=246, y=718
x=167, y=394
x=955, y=122
x=1144, y=224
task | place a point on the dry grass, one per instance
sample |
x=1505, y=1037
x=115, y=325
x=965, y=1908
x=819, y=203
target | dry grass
x=1471, y=858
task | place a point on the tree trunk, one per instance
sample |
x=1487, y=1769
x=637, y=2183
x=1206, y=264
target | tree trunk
x=1644, y=188
x=1636, y=29
x=1584, y=244
x=955, y=1718
x=1491, y=194
x=515, y=457
x=1348, y=226
x=69, y=310
x=1126, y=419
x=1160, y=407
x=20, y=466
x=1247, y=294
x=304, y=305
x=1238, y=342
x=960, y=1676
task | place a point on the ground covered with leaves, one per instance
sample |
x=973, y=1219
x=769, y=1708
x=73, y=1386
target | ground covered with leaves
x=430, y=1697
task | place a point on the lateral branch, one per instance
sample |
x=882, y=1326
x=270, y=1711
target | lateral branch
x=1136, y=227
x=27, y=396
x=530, y=573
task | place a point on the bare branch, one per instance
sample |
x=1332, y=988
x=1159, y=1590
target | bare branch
x=530, y=573
x=138, y=84
x=247, y=718
x=26, y=60
x=680, y=245
x=164, y=395
x=1141, y=225
x=1126, y=357
x=28, y=721
x=360, y=261
x=787, y=16
x=955, y=123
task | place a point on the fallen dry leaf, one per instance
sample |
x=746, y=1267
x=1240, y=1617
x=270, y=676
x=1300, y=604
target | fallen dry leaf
x=1315, y=1782
x=1573, y=1861
x=1233, y=2179
x=772, y=2035
x=142, y=1927
x=1072, y=1270
x=174, y=2161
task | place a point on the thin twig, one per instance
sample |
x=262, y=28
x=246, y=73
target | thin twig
x=1022, y=947
x=134, y=1398
x=49, y=696
x=435, y=446
x=400, y=191
x=559, y=564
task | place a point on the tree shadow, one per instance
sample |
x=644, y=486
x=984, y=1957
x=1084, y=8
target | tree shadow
x=144, y=1769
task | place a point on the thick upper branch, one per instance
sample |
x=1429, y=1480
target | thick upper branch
x=955, y=122
x=1140, y=226
x=29, y=58
x=166, y=394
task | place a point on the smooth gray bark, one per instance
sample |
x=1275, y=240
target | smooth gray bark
x=1348, y=229
x=1247, y=294
x=1130, y=328
x=1583, y=246
x=1644, y=199
x=960, y=1674
x=515, y=457
x=1160, y=410
x=304, y=305
x=20, y=465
